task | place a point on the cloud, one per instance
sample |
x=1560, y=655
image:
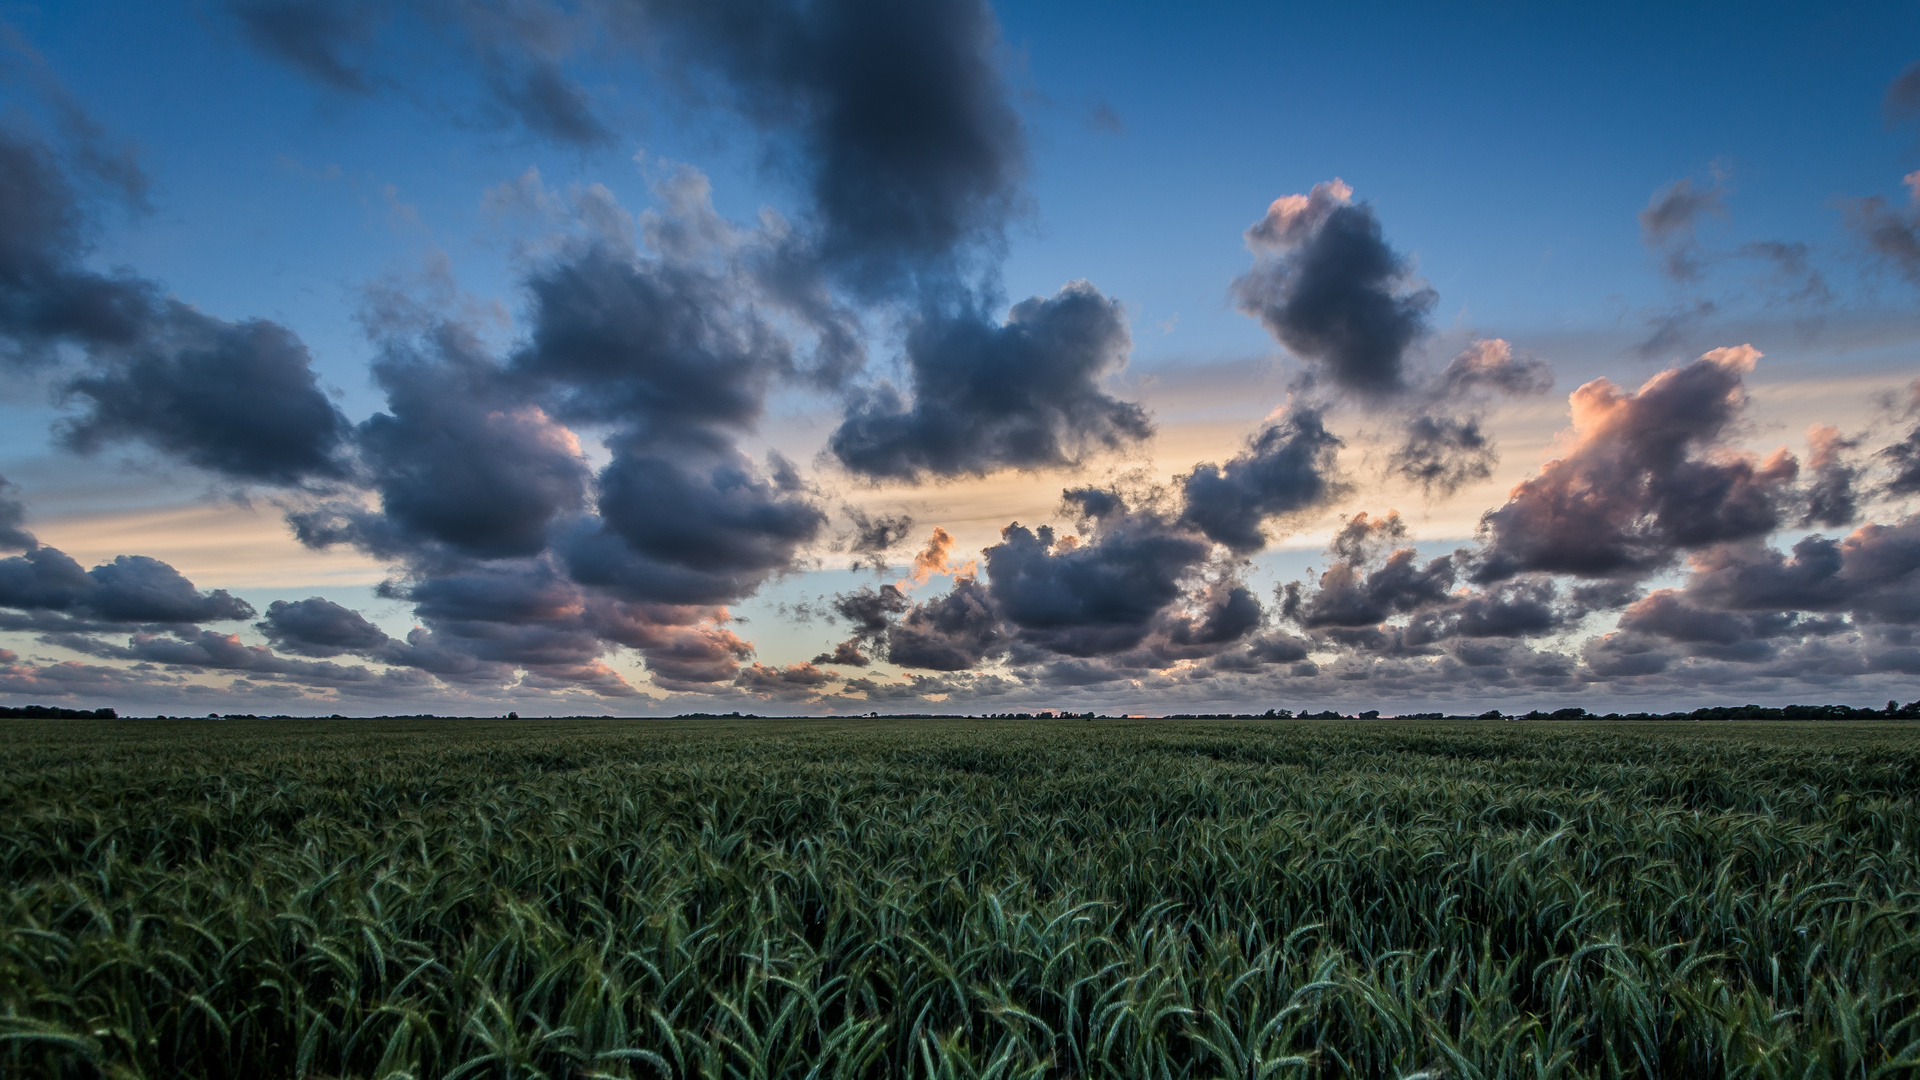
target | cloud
x=793, y=681
x=13, y=520
x=1443, y=453
x=1022, y=394
x=664, y=342
x=955, y=632
x=1490, y=366
x=1670, y=219
x=54, y=593
x=1904, y=455
x=1643, y=478
x=1871, y=574
x=937, y=558
x=1793, y=273
x=1891, y=233
x=1286, y=467
x=1831, y=498
x=315, y=37
x=46, y=294
x=515, y=50
x=899, y=117
x=1902, y=99
x=872, y=537
x=1094, y=598
x=1326, y=284
x=458, y=459
x=1366, y=585
x=319, y=627
x=239, y=399
x=692, y=521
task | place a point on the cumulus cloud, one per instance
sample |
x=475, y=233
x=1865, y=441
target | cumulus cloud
x=955, y=632
x=692, y=522
x=458, y=460
x=1093, y=598
x=236, y=398
x=13, y=520
x=44, y=588
x=319, y=627
x=1021, y=394
x=1645, y=476
x=793, y=681
x=1287, y=467
x=1327, y=285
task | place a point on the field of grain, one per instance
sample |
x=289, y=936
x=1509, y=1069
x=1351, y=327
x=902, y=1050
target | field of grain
x=958, y=899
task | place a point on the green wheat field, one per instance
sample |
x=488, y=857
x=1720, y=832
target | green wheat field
x=874, y=898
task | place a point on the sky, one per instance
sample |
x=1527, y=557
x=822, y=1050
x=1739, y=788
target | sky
x=644, y=357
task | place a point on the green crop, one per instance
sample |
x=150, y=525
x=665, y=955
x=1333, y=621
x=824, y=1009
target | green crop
x=958, y=899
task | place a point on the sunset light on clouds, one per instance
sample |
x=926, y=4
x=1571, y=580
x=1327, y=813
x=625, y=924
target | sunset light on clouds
x=775, y=357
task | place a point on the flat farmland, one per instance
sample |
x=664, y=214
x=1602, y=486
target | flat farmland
x=888, y=898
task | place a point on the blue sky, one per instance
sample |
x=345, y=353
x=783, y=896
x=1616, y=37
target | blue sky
x=1505, y=153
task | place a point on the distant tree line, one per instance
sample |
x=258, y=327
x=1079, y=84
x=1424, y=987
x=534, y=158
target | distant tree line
x=49, y=712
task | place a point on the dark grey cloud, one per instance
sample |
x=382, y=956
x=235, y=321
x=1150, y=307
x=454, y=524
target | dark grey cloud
x=515, y=50
x=318, y=38
x=47, y=295
x=1287, y=467
x=1443, y=453
x=1872, y=574
x=1645, y=479
x=52, y=592
x=1021, y=394
x=1832, y=495
x=1327, y=285
x=1355, y=592
x=209, y=650
x=664, y=343
x=13, y=520
x=1891, y=233
x=236, y=398
x=870, y=612
x=897, y=118
x=693, y=521
x=1904, y=455
x=793, y=681
x=1669, y=222
x=1096, y=597
x=319, y=627
x=872, y=536
x=458, y=459
x=954, y=632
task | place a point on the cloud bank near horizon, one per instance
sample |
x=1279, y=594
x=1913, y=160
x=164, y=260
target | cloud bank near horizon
x=586, y=491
